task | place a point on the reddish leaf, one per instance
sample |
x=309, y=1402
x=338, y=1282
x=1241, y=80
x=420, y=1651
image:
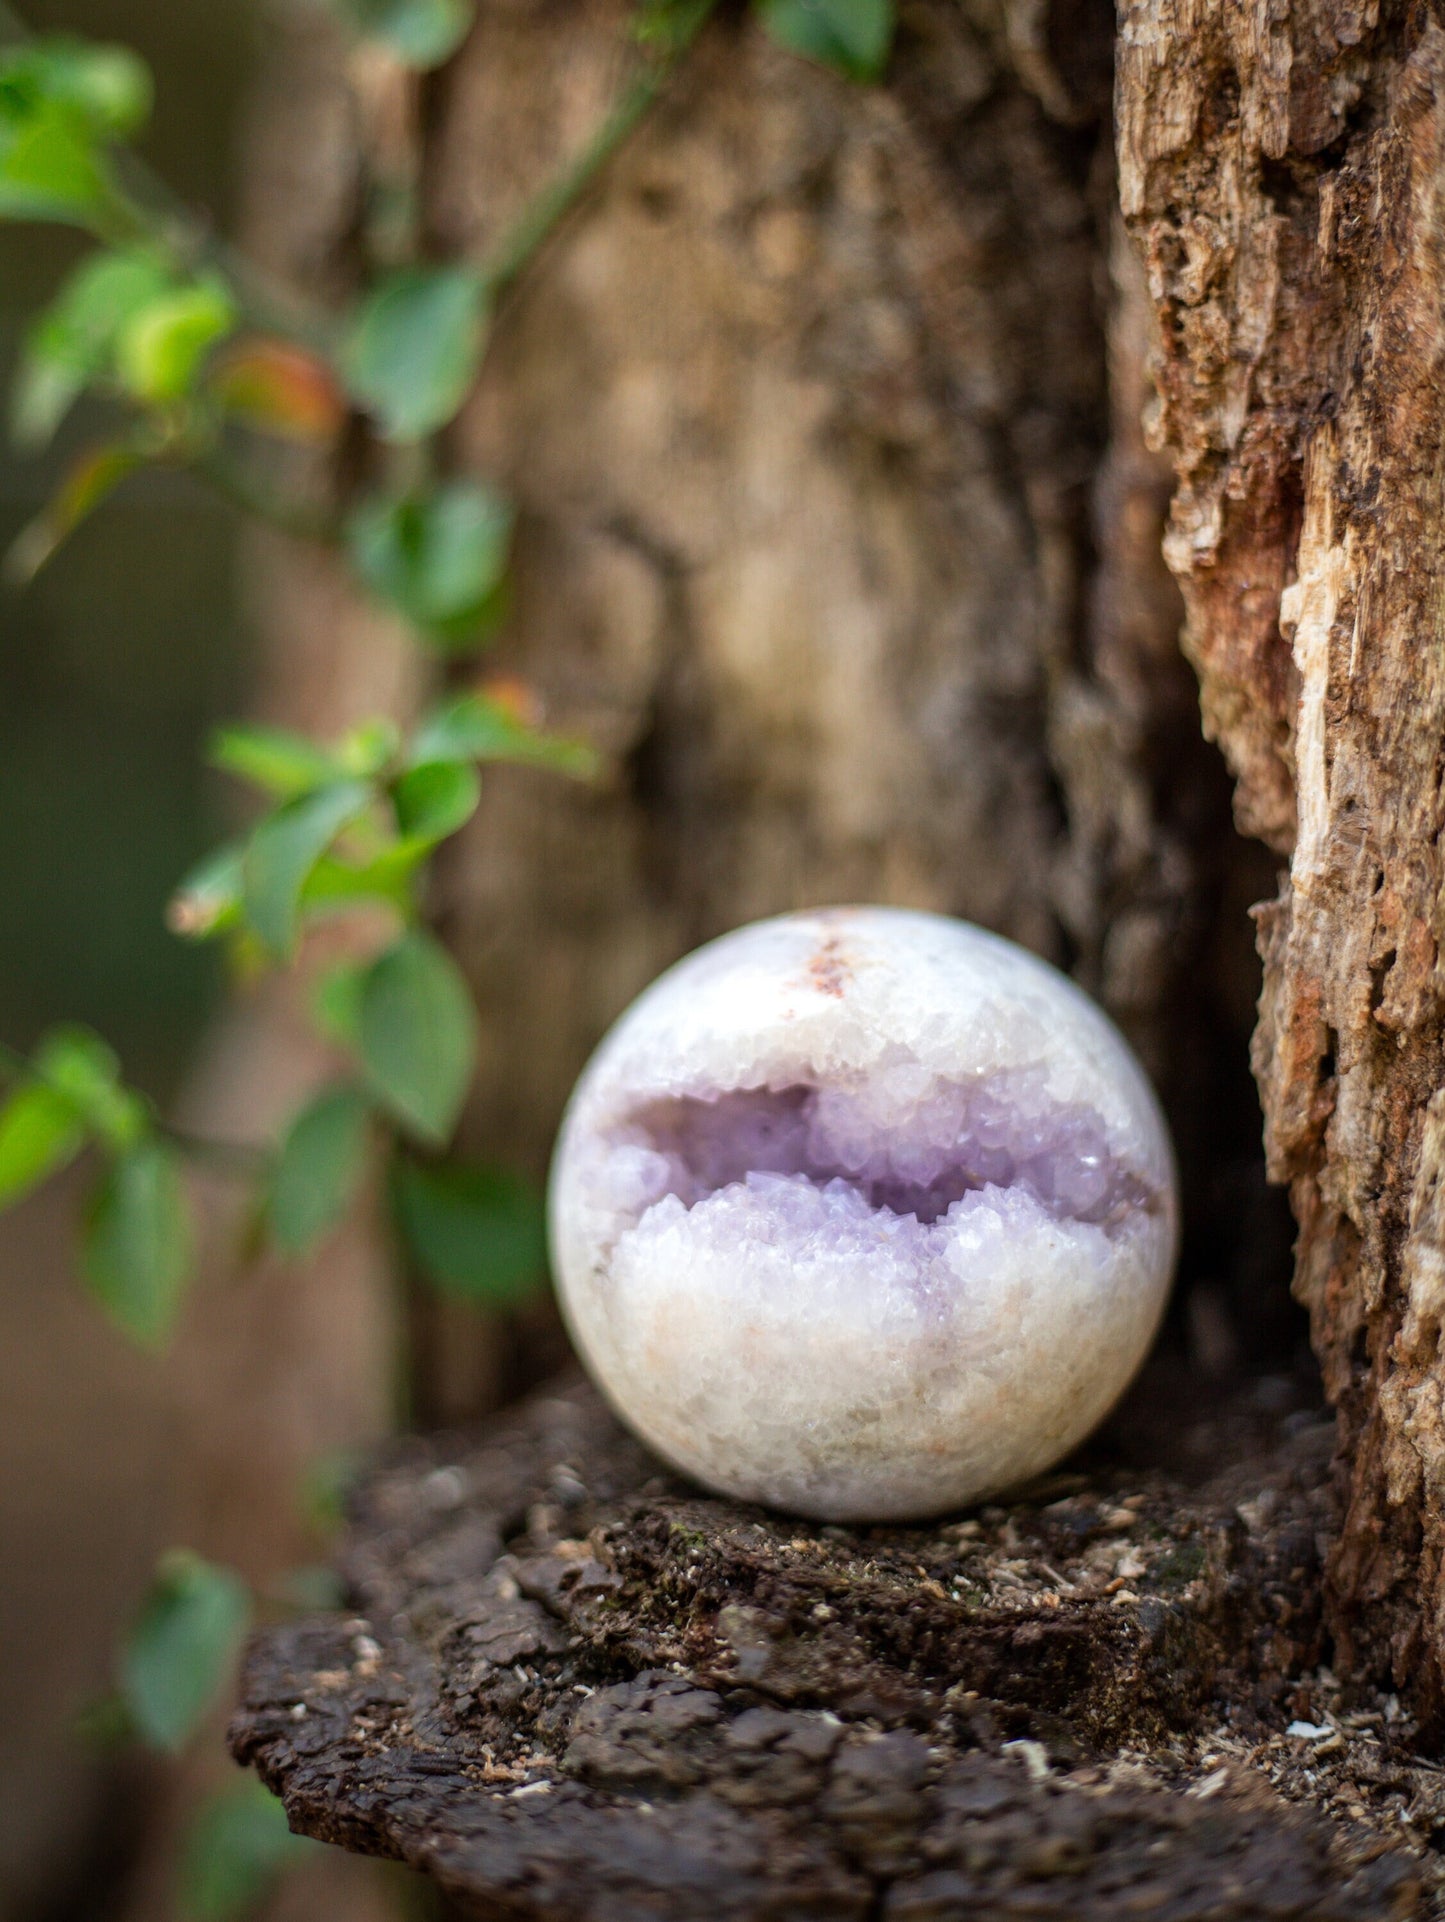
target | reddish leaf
x=516, y=698
x=94, y=476
x=280, y=388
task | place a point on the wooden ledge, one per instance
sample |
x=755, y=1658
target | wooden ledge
x=570, y=1687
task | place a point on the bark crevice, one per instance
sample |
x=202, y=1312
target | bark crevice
x=1293, y=249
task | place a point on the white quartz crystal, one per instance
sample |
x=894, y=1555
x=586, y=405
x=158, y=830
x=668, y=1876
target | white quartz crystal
x=863, y=1213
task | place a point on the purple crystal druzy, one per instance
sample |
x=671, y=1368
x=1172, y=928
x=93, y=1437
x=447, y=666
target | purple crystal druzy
x=863, y=1213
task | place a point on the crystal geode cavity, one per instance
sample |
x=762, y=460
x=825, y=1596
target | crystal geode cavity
x=863, y=1213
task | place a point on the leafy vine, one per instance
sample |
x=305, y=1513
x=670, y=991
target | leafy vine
x=205, y=366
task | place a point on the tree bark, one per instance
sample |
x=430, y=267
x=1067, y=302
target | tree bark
x=838, y=534
x=1281, y=172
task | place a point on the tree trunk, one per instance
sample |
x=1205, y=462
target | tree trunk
x=1281, y=169
x=838, y=534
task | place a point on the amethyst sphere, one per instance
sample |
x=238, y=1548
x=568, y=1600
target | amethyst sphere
x=862, y=1213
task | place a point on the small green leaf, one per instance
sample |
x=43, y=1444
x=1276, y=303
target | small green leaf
x=44, y=391
x=283, y=851
x=435, y=799
x=479, y=727
x=323, y=1159
x=387, y=878
x=49, y=169
x=161, y=350
x=854, y=37
x=440, y=558
x=208, y=900
x=84, y=1072
x=423, y=33
x=137, y=1245
x=418, y=1034
x=237, y=1845
x=416, y=347
x=73, y=342
x=40, y=1133
x=476, y=1232
x=181, y=1649
x=336, y=1003
x=370, y=748
x=108, y=87
x=275, y=759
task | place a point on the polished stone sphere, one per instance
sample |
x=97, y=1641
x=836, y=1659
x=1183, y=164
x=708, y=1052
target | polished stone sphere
x=863, y=1213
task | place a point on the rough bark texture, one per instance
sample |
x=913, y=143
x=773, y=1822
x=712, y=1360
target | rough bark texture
x=839, y=535
x=1281, y=169
x=571, y=1688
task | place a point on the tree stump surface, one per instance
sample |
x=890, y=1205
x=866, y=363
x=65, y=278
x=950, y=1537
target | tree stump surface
x=570, y=1686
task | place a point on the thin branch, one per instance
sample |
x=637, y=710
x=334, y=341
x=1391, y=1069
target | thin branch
x=151, y=209
x=543, y=215
x=226, y=475
x=245, y=1159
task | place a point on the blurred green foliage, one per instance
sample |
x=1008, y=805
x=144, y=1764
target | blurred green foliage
x=114, y=665
x=153, y=354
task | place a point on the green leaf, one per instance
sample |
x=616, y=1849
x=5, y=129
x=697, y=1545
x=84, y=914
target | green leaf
x=323, y=1159
x=370, y=748
x=73, y=342
x=336, y=1003
x=440, y=558
x=275, y=759
x=435, y=799
x=476, y=1232
x=418, y=1035
x=60, y=99
x=108, y=87
x=163, y=347
x=49, y=169
x=136, y=1254
x=854, y=37
x=208, y=900
x=423, y=33
x=415, y=348
x=283, y=851
x=237, y=1845
x=479, y=727
x=84, y=1072
x=40, y=1133
x=386, y=878
x=43, y=393
x=182, y=1647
